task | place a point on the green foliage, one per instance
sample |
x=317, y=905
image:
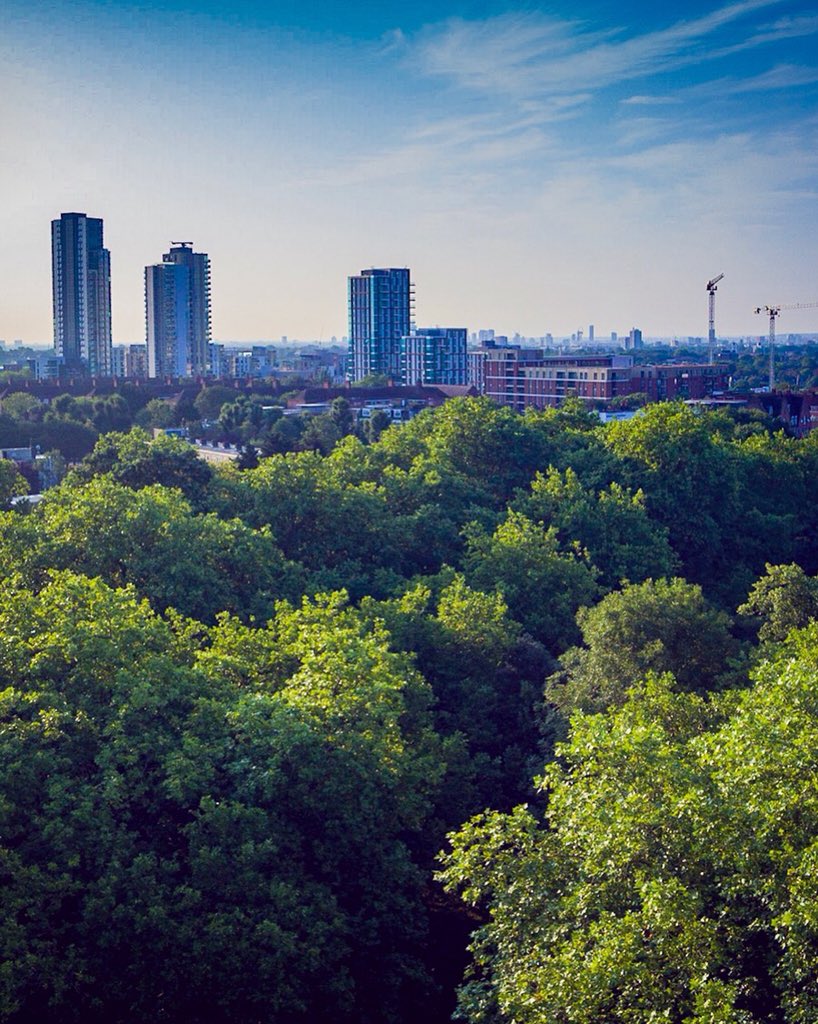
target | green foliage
x=674, y=877
x=212, y=828
x=217, y=806
x=785, y=598
x=209, y=401
x=20, y=404
x=543, y=585
x=137, y=460
x=373, y=380
x=151, y=538
x=486, y=677
x=689, y=479
x=12, y=483
x=157, y=413
x=659, y=626
x=613, y=527
x=375, y=425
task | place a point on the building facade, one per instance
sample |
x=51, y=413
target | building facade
x=504, y=373
x=525, y=378
x=380, y=315
x=81, y=292
x=434, y=355
x=177, y=313
x=668, y=381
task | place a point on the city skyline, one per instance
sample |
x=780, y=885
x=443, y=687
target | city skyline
x=538, y=169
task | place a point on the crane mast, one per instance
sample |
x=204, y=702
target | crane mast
x=772, y=312
x=711, y=304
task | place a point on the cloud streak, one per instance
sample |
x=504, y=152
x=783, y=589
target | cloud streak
x=533, y=54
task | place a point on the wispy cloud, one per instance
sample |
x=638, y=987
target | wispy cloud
x=781, y=76
x=535, y=54
x=650, y=101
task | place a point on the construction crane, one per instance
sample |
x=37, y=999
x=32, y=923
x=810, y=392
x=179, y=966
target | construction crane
x=711, y=334
x=772, y=312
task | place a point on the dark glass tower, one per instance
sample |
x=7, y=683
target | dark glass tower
x=379, y=317
x=81, y=288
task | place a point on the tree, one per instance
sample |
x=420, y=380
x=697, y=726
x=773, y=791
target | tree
x=210, y=399
x=673, y=878
x=157, y=413
x=543, y=585
x=688, y=474
x=137, y=460
x=341, y=532
x=613, y=526
x=321, y=433
x=342, y=415
x=199, y=565
x=375, y=425
x=248, y=457
x=12, y=483
x=659, y=626
x=486, y=676
x=785, y=598
x=20, y=405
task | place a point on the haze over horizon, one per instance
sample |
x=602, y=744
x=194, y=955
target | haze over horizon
x=538, y=169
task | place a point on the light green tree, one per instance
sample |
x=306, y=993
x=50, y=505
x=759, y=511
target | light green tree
x=785, y=598
x=673, y=876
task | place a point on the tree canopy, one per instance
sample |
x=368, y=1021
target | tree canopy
x=242, y=706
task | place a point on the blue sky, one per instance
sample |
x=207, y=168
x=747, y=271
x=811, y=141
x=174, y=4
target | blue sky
x=539, y=168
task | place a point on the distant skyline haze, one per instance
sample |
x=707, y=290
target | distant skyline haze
x=538, y=168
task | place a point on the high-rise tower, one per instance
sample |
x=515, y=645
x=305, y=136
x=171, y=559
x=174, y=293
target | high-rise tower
x=81, y=288
x=177, y=313
x=379, y=317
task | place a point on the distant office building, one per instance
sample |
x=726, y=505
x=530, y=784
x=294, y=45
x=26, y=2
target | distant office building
x=634, y=339
x=177, y=311
x=81, y=290
x=257, y=361
x=380, y=304
x=590, y=332
x=525, y=378
x=434, y=355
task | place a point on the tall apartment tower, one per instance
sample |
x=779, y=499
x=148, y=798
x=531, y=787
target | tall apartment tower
x=177, y=313
x=81, y=289
x=380, y=316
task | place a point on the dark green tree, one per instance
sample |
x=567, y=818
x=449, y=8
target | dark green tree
x=659, y=626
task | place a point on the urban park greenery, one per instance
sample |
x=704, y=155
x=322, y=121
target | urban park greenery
x=511, y=717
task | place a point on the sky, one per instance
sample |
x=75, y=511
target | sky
x=539, y=168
